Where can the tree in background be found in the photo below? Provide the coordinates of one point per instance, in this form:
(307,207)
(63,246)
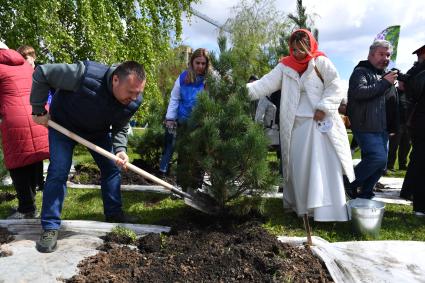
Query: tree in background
(151,143)
(222,62)
(259,35)
(254,29)
(3,170)
(223,141)
(169,69)
(100,30)
(301,19)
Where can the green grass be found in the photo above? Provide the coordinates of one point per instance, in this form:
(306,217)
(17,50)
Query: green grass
(398,224)
(150,208)
(86,204)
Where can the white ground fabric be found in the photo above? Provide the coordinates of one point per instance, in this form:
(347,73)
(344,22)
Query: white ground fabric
(77,240)
(370,261)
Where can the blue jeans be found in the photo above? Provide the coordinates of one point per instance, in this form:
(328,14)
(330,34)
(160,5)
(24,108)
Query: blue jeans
(61,150)
(374,152)
(170,143)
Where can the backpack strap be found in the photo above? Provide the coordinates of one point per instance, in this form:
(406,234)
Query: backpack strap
(318,73)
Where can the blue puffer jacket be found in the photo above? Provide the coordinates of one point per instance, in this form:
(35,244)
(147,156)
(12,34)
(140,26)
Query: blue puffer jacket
(188,95)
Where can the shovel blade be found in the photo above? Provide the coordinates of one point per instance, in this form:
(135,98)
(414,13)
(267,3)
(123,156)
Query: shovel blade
(208,208)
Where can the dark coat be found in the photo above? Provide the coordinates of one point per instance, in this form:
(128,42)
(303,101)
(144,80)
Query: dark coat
(367,103)
(415,92)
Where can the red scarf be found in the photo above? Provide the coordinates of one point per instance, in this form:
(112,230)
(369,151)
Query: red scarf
(301,66)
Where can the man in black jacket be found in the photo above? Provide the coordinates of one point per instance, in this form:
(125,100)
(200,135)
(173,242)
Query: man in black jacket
(96,102)
(415,91)
(369,89)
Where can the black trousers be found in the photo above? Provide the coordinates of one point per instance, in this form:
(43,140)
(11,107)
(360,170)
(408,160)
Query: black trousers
(400,141)
(413,182)
(25,180)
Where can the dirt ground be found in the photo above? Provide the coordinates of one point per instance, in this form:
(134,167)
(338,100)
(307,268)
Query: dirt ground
(211,250)
(199,248)
(5,237)
(91,175)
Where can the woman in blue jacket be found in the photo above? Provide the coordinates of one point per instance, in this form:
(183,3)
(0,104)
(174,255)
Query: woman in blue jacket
(183,98)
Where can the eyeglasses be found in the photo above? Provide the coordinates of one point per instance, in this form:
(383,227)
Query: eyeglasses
(299,51)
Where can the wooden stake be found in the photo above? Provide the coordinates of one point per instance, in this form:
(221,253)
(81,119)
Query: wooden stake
(308,230)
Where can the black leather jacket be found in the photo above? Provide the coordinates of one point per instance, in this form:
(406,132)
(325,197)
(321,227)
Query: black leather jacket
(367,96)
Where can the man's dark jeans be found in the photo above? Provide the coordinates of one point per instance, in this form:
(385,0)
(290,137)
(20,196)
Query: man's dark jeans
(61,150)
(374,152)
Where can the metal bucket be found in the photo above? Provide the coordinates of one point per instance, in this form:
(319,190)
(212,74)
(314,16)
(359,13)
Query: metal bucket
(366,216)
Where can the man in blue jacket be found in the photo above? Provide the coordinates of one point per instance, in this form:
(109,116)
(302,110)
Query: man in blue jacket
(369,90)
(96,102)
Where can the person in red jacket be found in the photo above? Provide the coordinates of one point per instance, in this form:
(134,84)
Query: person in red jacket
(28,52)
(25,144)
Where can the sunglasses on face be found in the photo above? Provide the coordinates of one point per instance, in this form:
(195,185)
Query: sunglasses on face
(299,51)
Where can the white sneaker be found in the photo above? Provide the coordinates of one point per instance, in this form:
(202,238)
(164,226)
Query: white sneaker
(419,214)
(20,215)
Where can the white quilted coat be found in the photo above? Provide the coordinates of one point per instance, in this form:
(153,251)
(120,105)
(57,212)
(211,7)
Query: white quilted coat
(325,96)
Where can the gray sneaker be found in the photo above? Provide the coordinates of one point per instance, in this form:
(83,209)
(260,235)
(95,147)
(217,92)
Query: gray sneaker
(20,215)
(48,241)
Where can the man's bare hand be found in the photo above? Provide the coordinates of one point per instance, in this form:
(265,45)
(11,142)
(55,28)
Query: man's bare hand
(41,120)
(122,159)
(319,115)
(391,77)
(170,123)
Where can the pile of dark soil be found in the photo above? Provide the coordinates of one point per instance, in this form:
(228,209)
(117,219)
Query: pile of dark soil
(217,253)
(5,236)
(6,196)
(90,174)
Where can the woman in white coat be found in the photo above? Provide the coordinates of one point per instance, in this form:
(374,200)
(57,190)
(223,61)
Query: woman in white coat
(314,142)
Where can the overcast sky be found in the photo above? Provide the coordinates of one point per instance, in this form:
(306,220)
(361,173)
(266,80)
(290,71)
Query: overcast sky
(346,28)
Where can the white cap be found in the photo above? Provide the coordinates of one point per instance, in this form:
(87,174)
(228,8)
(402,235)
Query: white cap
(3,46)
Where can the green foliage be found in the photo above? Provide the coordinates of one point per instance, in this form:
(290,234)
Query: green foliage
(99,30)
(3,170)
(123,233)
(149,145)
(301,19)
(260,34)
(223,141)
(227,58)
(170,68)
(254,30)
(398,223)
